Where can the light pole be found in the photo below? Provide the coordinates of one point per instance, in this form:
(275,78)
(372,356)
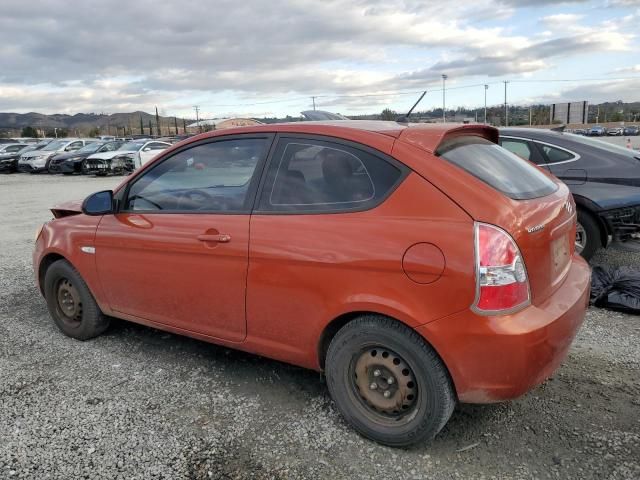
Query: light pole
(486,87)
(197,109)
(444,115)
(506,109)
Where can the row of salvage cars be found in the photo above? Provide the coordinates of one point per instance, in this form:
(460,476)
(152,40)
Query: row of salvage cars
(603,178)
(87,156)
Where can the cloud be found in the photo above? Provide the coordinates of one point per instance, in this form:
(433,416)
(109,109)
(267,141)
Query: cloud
(594,92)
(118,54)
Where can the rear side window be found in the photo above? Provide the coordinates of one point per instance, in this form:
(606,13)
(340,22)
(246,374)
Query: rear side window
(308,175)
(557,154)
(497,167)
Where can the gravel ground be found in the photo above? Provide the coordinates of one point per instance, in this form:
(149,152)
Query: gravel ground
(140,403)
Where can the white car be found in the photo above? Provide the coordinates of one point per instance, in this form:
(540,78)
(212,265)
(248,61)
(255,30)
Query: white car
(134,154)
(38,160)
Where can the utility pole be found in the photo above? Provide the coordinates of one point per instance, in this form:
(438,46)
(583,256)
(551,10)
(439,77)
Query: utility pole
(197,109)
(506,109)
(313,99)
(444,115)
(530,116)
(486,87)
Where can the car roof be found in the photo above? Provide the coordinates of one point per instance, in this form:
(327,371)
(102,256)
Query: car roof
(424,135)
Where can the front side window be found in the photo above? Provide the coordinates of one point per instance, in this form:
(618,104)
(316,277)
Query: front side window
(313,175)
(211,177)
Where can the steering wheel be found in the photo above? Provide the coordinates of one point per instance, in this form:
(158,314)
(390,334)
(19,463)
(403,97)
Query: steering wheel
(198,197)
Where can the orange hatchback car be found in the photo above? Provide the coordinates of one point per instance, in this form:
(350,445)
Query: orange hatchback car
(416,265)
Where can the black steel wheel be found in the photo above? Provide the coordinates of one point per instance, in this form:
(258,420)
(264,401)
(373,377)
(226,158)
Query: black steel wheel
(387,382)
(70,303)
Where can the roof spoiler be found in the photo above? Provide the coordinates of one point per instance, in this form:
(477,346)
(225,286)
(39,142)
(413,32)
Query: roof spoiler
(559,128)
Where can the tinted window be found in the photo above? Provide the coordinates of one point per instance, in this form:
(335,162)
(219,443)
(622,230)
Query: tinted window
(519,148)
(14,148)
(212,177)
(312,175)
(556,154)
(497,166)
(156,146)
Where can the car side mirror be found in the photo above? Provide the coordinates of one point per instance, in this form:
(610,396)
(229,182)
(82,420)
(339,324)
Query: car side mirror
(99,203)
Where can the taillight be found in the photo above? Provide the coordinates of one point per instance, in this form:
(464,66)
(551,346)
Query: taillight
(502,283)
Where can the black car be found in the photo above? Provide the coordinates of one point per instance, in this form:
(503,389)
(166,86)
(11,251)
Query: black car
(631,130)
(604,179)
(9,155)
(71,162)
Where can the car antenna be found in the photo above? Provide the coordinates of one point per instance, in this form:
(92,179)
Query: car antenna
(405,118)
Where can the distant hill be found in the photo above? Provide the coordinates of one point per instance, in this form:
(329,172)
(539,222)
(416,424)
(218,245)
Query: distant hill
(11,124)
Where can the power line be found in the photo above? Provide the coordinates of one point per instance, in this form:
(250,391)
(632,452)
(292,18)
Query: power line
(416,92)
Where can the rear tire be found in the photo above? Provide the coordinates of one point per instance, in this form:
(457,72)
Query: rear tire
(70,303)
(387,382)
(589,229)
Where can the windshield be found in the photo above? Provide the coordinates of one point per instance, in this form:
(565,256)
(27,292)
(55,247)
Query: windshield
(131,146)
(609,147)
(90,147)
(55,145)
(496,166)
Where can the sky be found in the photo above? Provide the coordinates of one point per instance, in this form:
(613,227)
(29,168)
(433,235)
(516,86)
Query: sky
(269,58)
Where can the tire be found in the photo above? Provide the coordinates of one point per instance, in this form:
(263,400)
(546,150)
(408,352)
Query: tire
(422,399)
(80,319)
(593,240)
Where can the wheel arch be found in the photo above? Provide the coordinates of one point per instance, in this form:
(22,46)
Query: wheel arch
(587,206)
(332,328)
(44,265)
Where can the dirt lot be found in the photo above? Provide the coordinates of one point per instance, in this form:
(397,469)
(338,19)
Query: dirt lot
(140,403)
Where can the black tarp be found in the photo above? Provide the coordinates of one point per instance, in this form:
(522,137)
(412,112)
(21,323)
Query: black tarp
(616,288)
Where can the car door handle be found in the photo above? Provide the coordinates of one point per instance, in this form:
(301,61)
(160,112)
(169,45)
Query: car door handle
(217,238)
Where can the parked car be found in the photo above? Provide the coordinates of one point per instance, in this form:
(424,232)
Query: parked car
(128,157)
(9,155)
(597,131)
(604,180)
(71,162)
(38,160)
(417,266)
(631,131)
(11,147)
(615,131)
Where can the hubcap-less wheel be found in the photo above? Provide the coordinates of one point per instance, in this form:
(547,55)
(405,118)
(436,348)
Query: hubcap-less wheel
(385,385)
(69,303)
(581,238)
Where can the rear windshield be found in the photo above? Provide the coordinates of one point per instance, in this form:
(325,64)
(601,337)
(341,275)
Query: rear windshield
(497,167)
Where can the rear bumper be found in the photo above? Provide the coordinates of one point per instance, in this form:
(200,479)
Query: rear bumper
(498,358)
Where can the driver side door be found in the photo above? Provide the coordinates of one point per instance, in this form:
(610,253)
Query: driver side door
(176,253)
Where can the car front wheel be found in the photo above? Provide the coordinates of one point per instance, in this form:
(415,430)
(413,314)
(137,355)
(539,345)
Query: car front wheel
(71,304)
(387,382)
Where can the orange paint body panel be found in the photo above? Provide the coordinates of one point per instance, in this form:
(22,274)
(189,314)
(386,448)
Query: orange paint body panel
(279,280)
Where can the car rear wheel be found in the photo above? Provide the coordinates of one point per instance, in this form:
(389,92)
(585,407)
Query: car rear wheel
(387,382)
(588,239)
(70,303)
